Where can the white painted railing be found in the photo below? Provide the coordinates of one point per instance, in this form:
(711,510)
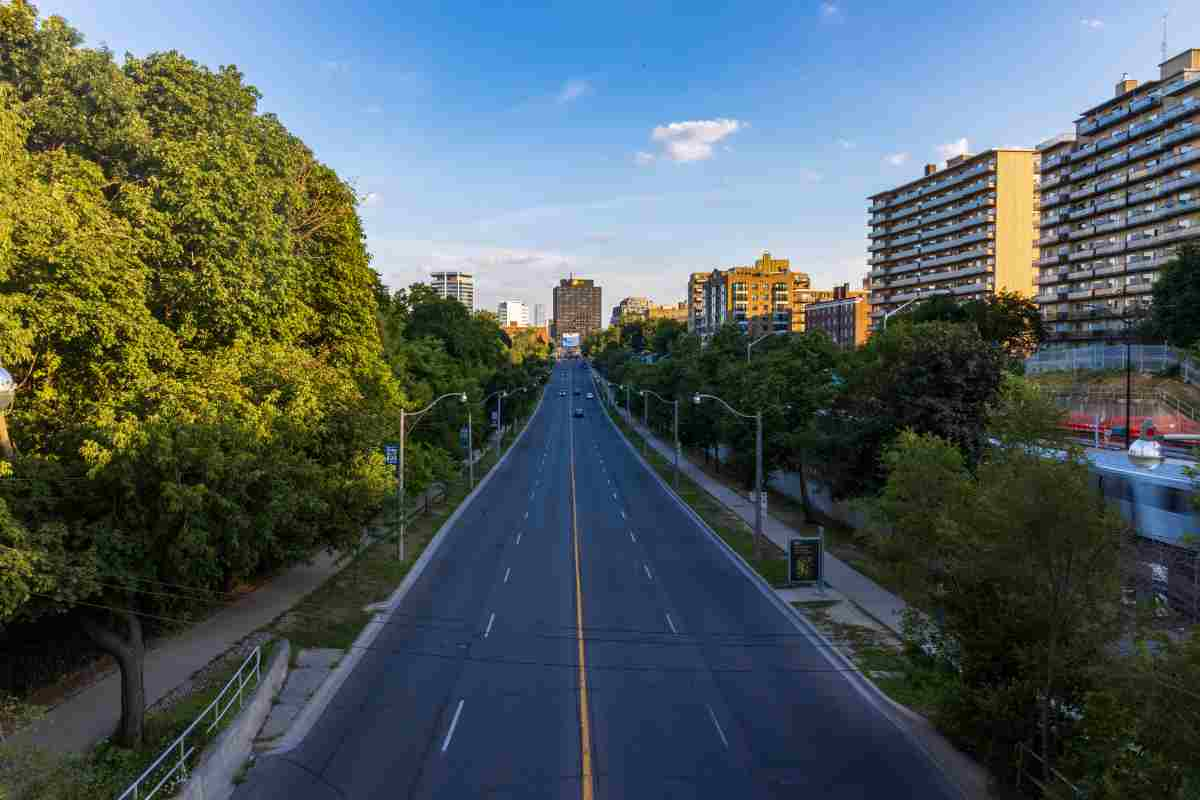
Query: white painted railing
(174,759)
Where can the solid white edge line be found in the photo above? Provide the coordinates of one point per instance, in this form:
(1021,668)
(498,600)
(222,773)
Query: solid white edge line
(623,515)
(720,732)
(491,620)
(519,537)
(670,622)
(507,572)
(453,725)
(871,693)
(647,568)
(631,536)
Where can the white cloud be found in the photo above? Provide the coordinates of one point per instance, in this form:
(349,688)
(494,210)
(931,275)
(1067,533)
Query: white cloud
(896,159)
(1092,23)
(642,158)
(846,144)
(830,10)
(693,140)
(573,90)
(374,108)
(951,149)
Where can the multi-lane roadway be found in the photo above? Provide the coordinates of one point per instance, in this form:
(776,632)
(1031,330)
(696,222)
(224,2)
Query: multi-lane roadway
(578,634)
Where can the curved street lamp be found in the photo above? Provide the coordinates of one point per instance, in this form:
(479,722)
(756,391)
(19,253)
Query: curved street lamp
(648,393)
(404,415)
(8,393)
(762,338)
(758,465)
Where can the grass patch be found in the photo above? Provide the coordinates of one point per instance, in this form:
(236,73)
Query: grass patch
(729,526)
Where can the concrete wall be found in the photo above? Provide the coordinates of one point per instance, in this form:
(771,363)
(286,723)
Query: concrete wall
(212,778)
(788,483)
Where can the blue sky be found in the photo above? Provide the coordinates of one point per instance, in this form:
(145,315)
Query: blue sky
(638,142)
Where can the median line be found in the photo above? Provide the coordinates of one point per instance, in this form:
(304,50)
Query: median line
(671,623)
(491,621)
(453,725)
(585,734)
(712,715)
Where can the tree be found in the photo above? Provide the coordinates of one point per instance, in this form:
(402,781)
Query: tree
(1008,319)
(1175,313)
(932,377)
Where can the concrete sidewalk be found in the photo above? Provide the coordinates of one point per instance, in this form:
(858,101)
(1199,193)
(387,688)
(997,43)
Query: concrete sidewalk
(89,715)
(868,595)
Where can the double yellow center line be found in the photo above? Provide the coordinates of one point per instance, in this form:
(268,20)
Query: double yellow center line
(585,735)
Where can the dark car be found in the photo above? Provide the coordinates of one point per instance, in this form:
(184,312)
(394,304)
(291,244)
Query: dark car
(579,412)
(577,393)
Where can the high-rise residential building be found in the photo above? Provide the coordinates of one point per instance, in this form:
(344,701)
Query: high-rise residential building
(539,315)
(760,299)
(457,285)
(965,231)
(695,293)
(630,307)
(576,307)
(843,317)
(513,312)
(676,313)
(1118,197)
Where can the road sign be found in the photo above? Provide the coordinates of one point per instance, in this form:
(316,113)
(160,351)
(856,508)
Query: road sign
(391,453)
(804,560)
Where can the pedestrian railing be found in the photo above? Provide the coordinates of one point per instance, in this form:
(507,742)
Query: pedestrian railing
(1052,783)
(171,767)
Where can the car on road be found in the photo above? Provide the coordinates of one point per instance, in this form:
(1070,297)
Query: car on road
(562,392)
(577,393)
(591,396)
(579,412)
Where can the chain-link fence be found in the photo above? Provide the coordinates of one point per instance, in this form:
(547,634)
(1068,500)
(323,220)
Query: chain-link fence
(1101,356)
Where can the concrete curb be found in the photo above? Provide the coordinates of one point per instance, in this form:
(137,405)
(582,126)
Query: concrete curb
(316,706)
(212,778)
(836,658)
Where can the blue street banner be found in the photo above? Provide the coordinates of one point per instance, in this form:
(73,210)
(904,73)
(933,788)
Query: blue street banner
(391,453)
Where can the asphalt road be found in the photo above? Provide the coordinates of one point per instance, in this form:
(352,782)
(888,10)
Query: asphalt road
(696,684)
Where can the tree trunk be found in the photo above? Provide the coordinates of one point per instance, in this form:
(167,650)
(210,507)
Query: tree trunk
(6,447)
(130,652)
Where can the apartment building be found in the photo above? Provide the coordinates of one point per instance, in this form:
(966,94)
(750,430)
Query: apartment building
(676,313)
(843,317)
(695,294)
(1117,199)
(965,230)
(803,295)
(512,312)
(459,286)
(760,299)
(630,307)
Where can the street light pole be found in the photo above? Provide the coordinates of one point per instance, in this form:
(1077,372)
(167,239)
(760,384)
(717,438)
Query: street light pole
(759,339)
(898,310)
(470,451)
(403,435)
(758,466)
(675,405)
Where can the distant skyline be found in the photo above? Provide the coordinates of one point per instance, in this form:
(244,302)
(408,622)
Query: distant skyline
(633,144)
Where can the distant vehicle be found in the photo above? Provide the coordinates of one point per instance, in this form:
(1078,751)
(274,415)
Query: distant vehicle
(591,396)
(579,412)
(562,392)
(577,393)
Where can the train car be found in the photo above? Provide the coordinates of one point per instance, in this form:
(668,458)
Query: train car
(1159,503)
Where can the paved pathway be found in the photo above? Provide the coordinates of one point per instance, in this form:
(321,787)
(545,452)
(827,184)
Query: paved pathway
(870,596)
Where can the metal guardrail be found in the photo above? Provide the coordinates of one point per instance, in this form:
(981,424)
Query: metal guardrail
(179,751)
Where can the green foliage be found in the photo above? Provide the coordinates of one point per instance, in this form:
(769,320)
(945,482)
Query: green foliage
(1175,313)
(1007,319)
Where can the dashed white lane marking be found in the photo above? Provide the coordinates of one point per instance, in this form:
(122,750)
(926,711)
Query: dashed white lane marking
(507,572)
(491,620)
(519,538)
(623,515)
(614,495)
(453,725)
(671,623)
(526,515)
(530,497)
(720,732)
(631,536)
(647,568)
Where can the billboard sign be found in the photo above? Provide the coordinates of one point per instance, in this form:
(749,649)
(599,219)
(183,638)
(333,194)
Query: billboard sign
(804,560)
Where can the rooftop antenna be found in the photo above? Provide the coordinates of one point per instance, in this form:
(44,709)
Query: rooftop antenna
(1164,41)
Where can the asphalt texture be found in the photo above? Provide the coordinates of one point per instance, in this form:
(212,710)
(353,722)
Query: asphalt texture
(698,685)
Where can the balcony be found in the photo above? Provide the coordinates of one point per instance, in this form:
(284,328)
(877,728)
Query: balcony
(970,189)
(1077,213)
(915,279)
(907,212)
(1185,131)
(903,240)
(1188,106)
(1109,248)
(1053,237)
(970,288)
(912,251)
(1050,260)
(877,273)
(978,219)
(912,223)
(1111,225)
(1146,125)
(1079,275)
(1112,182)
(1182,157)
(1053,218)
(1112,117)
(1182,183)
(1139,287)
(1145,194)
(1142,103)
(1086,172)
(1106,291)
(1083,192)
(954,212)
(1054,198)
(1178,86)
(1138,263)
(1052,180)
(875,247)
(1080,295)
(1146,148)
(1082,233)
(959,273)
(977,252)
(958,242)
(1049,162)
(1047,278)
(879,219)
(1112,161)
(1111,141)
(1112,269)
(945,183)
(1083,151)
(1109,205)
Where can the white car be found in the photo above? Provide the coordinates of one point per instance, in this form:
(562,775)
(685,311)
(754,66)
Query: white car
(591,396)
